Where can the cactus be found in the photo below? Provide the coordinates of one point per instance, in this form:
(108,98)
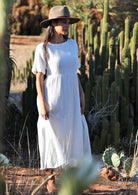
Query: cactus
(118,78)
(87,96)
(107,46)
(105,85)
(117,133)
(130,127)
(83,35)
(97,90)
(103,51)
(96,147)
(91,72)
(90,36)
(106,157)
(106,12)
(115,160)
(133,50)
(121,45)
(75,33)
(126,78)
(122,159)
(114,100)
(104,134)
(126,31)
(127,165)
(112,58)
(96,52)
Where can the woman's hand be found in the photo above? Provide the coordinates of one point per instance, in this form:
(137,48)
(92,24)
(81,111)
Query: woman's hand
(44,111)
(82,102)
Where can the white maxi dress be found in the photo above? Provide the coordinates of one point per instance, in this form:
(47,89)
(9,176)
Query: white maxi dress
(63,138)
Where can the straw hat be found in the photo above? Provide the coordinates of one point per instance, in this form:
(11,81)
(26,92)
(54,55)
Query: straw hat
(57,12)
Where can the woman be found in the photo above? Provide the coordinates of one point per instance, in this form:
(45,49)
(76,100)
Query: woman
(62,129)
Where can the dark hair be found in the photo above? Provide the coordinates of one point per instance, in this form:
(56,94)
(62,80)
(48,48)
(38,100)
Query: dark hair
(48,36)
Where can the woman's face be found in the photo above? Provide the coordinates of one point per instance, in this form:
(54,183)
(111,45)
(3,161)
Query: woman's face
(61,26)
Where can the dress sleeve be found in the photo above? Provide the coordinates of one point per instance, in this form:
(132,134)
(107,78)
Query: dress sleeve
(77,53)
(39,64)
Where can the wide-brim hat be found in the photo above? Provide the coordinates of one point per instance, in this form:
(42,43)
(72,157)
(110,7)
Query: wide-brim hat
(57,12)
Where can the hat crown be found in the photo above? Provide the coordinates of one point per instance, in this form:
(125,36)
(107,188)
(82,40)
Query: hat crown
(59,12)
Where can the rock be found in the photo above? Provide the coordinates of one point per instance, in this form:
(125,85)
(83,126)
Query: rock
(109,174)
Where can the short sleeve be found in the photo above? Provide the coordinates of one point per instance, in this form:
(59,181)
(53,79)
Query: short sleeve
(39,64)
(77,53)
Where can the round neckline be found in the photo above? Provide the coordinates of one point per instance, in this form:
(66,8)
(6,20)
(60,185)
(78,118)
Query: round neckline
(58,43)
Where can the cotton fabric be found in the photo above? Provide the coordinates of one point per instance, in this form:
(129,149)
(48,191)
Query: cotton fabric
(63,138)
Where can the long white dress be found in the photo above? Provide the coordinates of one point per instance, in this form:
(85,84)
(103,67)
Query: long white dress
(63,138)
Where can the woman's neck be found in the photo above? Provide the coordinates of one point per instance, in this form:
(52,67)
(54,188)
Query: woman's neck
(57,39)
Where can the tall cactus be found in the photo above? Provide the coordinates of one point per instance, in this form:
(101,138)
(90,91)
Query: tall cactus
(75,33)
(127,24)
(105,88)
(121,45)
(118,78)
(112,58)
(83,35)
(126,78)
(106,11)
(96,53)
(117,133)
(104,133)
(103,51)
(90,36)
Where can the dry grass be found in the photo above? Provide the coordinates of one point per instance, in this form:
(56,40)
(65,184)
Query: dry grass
(134,168)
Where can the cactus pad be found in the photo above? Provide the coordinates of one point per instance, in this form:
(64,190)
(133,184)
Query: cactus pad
(107,156)
(122,159)
(128,165)
(115,160)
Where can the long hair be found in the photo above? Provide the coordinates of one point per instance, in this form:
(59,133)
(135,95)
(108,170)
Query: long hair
(48,37)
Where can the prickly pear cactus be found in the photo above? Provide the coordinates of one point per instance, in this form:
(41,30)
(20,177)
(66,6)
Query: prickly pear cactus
(115,160)
(127,165)
(107,156)
(122,159)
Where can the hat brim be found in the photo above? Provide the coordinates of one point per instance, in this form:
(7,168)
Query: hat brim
(45,23)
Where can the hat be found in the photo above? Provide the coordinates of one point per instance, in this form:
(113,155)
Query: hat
(57,12)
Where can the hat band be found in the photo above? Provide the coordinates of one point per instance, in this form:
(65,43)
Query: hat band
(60,17)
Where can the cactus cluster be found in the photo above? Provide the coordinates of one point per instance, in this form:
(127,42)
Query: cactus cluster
(112,58)
(17,75)
(111,158)
(107,156)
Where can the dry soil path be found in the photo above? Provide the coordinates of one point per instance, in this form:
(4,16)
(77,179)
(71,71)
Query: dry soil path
(21,48)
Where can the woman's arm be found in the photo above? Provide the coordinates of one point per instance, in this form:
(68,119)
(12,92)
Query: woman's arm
(82,97)
(44,111)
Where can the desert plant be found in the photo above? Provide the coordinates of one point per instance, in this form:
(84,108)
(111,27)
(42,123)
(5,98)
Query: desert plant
(76,179)
(127,165)
(107,156)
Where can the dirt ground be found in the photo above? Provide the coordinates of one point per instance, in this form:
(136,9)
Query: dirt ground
(27,179)
(21,48)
